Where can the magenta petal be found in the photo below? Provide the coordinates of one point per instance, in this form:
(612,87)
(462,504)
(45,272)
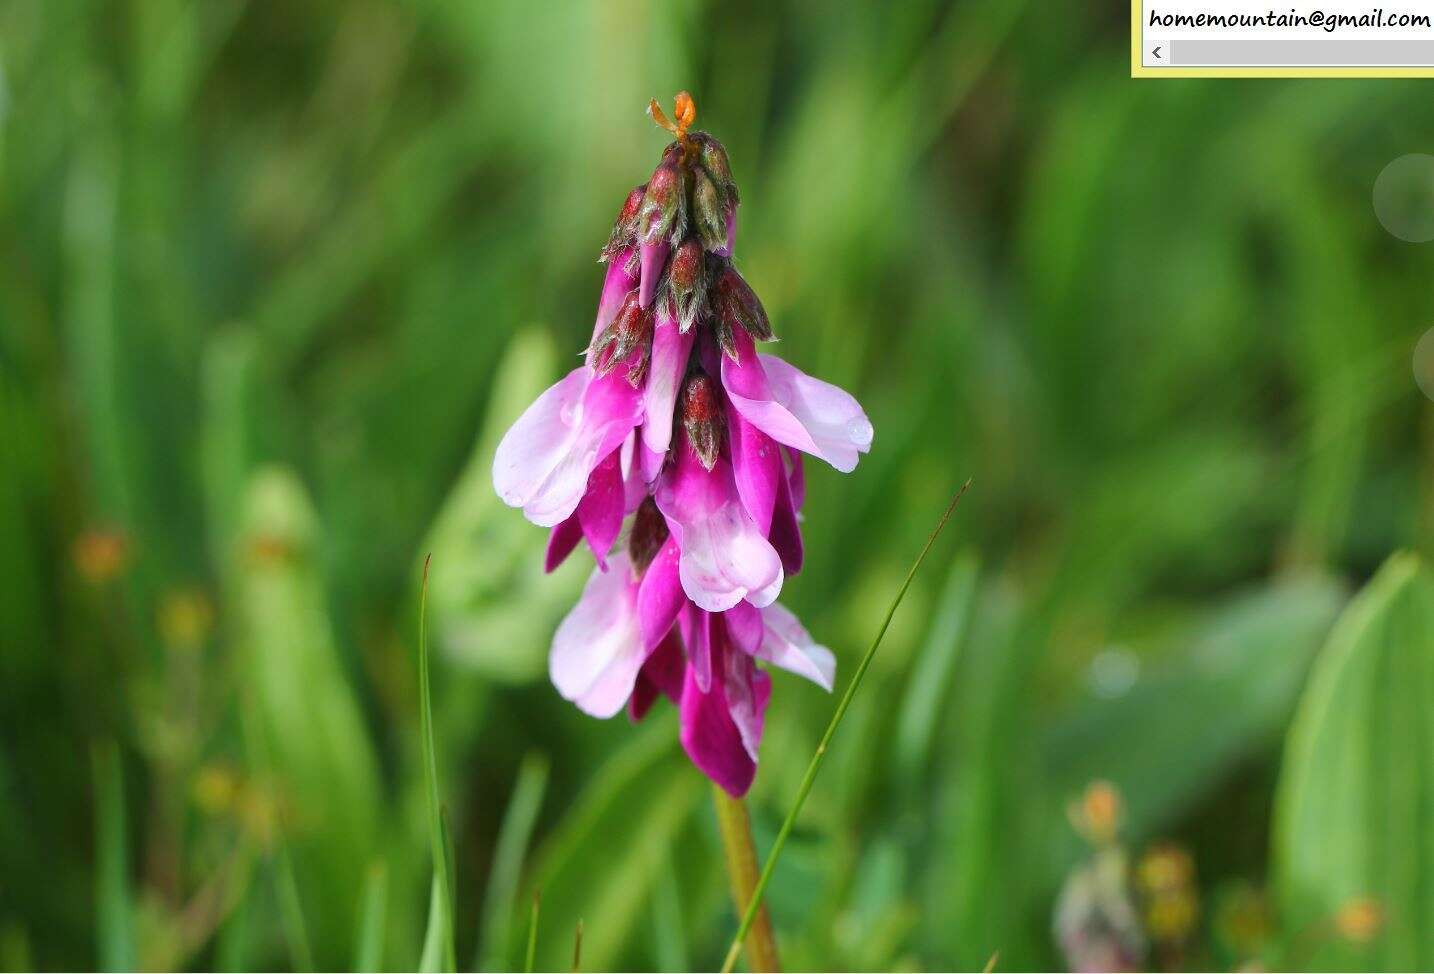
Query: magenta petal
(615,287)
(696,627)
(670,351)
(786,532)
(654,258)
(659,596)
(744,627)
(756,468)
(561,542)
(725,559)
(662,673)
(711,738)
(601,510)
(597,650)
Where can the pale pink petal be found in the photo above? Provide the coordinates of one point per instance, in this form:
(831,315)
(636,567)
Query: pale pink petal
(634,485)
(796,477)
(787,644)
(597,651)
(725,558)
(543,462)
(670,351)
(601,510)
(744,627)
(660,597)
(654,258)
(795,409)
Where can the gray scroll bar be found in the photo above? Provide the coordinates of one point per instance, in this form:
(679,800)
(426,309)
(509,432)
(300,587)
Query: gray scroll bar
(1303,53)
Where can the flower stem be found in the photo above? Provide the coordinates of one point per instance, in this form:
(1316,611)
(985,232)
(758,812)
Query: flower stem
(747,927)
(741,855)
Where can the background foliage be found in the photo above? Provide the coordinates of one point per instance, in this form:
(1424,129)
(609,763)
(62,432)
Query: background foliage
(275,276)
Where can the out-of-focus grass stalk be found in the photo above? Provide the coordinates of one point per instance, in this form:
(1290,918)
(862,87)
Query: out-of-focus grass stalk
(532,933)
(291,909)
(513,838)
(741,855)
(115,912)
(754,905)
(441,908)
(373,915)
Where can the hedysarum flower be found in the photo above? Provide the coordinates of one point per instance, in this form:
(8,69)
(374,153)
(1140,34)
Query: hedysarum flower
(676,421)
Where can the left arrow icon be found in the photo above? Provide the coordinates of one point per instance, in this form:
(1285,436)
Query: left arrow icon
(1156,52)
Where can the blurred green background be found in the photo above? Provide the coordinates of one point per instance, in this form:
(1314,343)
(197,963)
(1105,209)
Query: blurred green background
(274,277)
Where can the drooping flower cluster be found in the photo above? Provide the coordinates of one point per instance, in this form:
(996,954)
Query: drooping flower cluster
(675,419)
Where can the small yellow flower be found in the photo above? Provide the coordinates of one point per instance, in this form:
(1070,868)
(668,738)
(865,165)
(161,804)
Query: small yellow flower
(1359,920)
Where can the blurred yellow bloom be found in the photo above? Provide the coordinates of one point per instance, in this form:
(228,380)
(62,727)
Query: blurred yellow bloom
(100,555)
(1166,880)
(1098,814)
(185,618)
(1359,920)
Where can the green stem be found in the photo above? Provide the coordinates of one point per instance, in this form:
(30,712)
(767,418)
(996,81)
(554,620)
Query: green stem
(755,903)
(741,855)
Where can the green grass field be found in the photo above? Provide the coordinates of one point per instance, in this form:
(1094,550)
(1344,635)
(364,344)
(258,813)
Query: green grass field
(275,277)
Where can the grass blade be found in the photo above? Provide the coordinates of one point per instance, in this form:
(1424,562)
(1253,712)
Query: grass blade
(291,910)
(114,904)
(811,774)
(532,933)
(513,838)
(373,915)
(440,919)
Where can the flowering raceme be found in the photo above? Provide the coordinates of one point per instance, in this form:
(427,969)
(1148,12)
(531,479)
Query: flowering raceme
(676,420)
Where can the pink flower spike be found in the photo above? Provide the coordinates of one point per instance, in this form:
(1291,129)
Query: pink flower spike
(725,558)
(544,460)
(660,598)
(670,351)
(597,652)
(757,468)
(795,409)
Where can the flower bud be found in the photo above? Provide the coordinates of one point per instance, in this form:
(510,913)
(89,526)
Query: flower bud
(702,418)
(737,304)
(708,211)
(624,228)
(631,329)
(648,534)
(687,284)
(664,202)
(713,157)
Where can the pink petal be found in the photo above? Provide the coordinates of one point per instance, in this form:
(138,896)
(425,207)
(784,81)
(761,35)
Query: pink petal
(747,690)
(795,409)
(796,477)
(712,739)
(756,468)
(597,652)
(725,558)
(786,644)
(615,287)
(744,627)
(654,258)
(634,484)
(543,462)
(659,596)
(670,351)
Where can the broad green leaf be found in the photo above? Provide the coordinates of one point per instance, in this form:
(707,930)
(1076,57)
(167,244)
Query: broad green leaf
(305,719)
(1223,695)
(1354,812)
(492,606)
